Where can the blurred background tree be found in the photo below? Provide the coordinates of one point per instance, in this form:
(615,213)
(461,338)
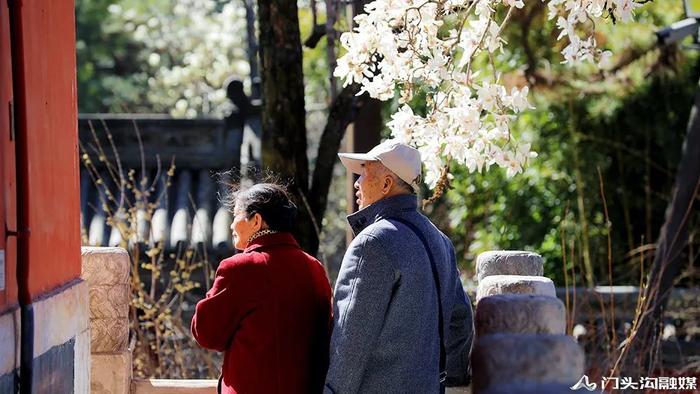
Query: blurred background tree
(159,56)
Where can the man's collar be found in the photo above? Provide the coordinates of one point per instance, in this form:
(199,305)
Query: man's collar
(271,239)
(385,207)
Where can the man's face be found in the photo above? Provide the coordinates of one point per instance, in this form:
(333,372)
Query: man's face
(369,184)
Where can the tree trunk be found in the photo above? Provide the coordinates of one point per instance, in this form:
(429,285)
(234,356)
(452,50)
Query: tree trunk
(672,240)
(343,111)
(283,112)
(252,50)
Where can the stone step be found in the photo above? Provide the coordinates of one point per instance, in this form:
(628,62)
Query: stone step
(514,284)
(514,359)
(509,262)
(520,313)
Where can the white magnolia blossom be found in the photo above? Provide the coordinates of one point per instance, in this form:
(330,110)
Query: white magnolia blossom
(404,46)
(573,14)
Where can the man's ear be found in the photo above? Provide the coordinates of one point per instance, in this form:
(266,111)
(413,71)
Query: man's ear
(388,184)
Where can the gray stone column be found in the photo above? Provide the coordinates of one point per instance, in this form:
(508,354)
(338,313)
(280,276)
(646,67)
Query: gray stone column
(520,343)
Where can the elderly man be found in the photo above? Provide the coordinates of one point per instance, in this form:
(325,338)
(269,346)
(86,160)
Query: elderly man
(402,322)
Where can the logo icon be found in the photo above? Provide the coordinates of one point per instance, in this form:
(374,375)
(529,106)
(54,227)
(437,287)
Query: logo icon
(583,383)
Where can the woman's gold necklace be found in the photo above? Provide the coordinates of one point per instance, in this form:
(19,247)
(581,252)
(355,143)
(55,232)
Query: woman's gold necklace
(259,234)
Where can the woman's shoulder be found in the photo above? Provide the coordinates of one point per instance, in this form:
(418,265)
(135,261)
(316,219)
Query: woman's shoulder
(243,261)
(313,261)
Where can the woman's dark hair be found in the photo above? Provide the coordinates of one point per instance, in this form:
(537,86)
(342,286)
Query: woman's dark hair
(270,200)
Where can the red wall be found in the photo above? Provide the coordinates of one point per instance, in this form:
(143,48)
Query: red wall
(49,116)
(8,296)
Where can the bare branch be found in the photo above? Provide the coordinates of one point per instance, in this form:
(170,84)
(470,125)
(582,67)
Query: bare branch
(317,33)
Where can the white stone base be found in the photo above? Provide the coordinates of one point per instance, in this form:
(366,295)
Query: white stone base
(515,284)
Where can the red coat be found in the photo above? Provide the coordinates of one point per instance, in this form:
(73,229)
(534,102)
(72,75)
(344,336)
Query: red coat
(270,311)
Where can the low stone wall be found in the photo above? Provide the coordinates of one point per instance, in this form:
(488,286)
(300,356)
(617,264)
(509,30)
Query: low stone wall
(106,270)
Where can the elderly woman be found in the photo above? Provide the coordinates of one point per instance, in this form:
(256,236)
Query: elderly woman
(269,308)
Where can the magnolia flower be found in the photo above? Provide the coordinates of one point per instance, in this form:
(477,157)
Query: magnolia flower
(553,9)
(351,72)
(571,51)
(401,123)
(605,59)
(456,147)
(468,43)
(596,7)
(624,9)
(567,29)
(466,118)
(494,41)
(474,162)
(431,156)
(518,99)
(378,87)
(490,95)
(514,3)
(512,167)
(483,8)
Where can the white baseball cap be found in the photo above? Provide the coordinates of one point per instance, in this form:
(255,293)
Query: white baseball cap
(401,159)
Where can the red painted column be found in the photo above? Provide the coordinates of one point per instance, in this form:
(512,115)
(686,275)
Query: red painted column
(45,92)
(8,211)
(54,319)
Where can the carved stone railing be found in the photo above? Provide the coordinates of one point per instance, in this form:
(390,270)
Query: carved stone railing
(106,270)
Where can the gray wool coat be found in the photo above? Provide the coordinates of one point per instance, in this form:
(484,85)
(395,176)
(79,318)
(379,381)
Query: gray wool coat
(385,335)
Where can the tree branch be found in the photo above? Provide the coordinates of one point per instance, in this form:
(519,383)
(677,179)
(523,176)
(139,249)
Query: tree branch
(316,35)
(526,23)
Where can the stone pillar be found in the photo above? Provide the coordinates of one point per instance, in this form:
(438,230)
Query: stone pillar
(106,270)
(520,343)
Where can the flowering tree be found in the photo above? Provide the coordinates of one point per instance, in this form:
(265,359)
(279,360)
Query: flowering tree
(190,50)
(429,47)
